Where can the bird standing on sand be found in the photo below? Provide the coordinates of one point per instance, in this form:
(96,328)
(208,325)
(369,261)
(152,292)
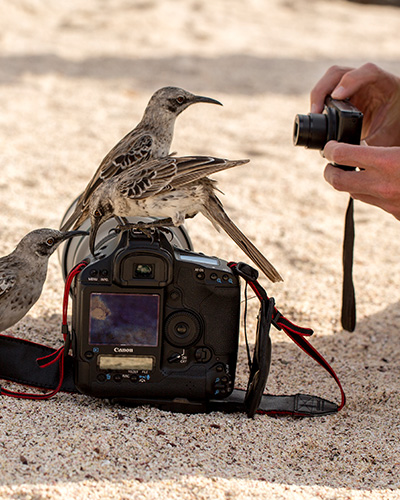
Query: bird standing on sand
(23,273)
(171,189)
(151,138)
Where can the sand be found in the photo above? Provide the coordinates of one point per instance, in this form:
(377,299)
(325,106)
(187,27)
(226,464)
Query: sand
(74,78)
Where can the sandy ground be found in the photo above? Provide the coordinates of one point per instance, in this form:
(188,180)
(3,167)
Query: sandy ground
(74,78)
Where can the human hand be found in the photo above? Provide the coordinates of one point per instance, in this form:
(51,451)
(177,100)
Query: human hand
(373,91)
(377,181)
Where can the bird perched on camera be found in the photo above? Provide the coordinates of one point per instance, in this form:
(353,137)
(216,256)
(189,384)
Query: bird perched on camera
(170,189)
(151,138)
(23,272)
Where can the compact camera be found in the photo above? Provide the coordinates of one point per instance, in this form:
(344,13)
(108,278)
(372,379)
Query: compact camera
(152,320)
(340,121)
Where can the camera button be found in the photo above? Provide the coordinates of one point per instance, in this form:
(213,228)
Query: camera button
(200,275)
(101,377)
(89,354)
(175,357)
(117,377)
(93,273)
(202,355)
(213,276)
(134,378)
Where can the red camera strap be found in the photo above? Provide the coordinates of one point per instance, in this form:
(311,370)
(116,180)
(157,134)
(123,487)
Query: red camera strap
(46,357)
(294,332)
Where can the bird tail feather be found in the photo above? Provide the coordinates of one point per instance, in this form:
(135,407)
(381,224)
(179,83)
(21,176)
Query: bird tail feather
(216,214)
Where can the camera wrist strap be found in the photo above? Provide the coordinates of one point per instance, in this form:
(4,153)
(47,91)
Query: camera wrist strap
(348,317)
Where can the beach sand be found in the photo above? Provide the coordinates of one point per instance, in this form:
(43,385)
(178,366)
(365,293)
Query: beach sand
(74,78)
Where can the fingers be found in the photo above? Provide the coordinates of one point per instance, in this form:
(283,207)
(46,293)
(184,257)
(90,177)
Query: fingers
(385,160)
(342,82)
(378,181)
(354,80)
(325,86)
(368,180)
(344,180)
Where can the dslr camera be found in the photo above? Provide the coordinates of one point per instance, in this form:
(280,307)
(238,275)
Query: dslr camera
(154,322)
(151,319)
(340,121)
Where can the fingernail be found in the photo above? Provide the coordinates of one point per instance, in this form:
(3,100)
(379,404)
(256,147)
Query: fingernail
(339,93)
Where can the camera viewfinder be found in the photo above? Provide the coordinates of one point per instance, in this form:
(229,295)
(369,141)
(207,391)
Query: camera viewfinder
(143,271)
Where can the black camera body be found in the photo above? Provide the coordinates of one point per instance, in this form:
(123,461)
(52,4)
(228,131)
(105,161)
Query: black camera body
(340,121)
(152,321)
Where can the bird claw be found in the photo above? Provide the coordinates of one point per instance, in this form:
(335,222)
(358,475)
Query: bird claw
(147,228)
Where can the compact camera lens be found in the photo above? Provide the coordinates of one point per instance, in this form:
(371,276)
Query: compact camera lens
(311,131)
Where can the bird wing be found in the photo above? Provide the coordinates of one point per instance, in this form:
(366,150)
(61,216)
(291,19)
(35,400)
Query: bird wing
(7,281)
(138,152)
(120,158)
(152,178)
(193,168)
(166,174)
(130,151)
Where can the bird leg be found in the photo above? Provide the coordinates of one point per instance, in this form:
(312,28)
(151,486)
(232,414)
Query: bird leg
(144,227)
(140,225)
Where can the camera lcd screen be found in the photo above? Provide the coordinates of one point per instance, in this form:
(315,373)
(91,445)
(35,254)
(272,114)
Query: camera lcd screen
(125,362)
(124,319)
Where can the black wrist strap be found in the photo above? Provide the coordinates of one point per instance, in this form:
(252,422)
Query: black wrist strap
(348,293)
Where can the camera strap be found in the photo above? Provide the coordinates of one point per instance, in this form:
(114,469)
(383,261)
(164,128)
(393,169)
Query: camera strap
(40,366)
(298,404)
(37,365)
(348,317)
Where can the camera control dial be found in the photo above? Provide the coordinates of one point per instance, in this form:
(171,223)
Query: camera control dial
(182,328)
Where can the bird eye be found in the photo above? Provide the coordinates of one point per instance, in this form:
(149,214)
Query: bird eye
(50,242)
(97,213)
(180,99)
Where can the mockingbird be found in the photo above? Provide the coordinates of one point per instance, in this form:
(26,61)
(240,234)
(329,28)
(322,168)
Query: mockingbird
(23,272)
(170,189)
(151,138)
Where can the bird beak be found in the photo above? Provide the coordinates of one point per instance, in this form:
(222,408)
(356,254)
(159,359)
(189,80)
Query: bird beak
(95,224)
(70,234)
(200,98)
